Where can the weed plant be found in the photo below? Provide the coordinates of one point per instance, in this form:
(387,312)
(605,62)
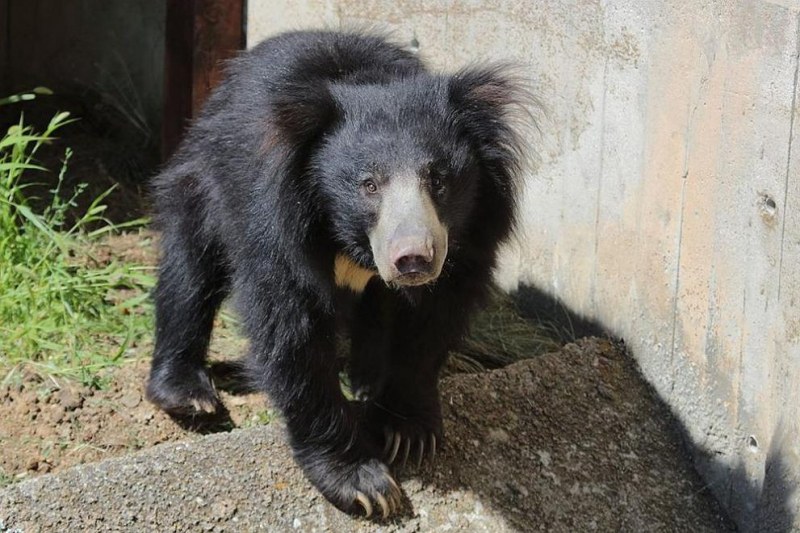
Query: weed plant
(60,310)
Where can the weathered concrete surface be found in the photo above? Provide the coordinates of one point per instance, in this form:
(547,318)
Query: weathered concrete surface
(570,441)
(667,204)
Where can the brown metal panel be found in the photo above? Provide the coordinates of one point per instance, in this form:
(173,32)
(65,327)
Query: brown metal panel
(201,34)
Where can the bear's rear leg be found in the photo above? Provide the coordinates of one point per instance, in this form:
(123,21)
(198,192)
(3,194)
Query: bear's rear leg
(191,286)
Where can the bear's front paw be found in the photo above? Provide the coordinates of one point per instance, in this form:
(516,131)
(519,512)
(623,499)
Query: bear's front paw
(365,487)
(410,432)
(186,393)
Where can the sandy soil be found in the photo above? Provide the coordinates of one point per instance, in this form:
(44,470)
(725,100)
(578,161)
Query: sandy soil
(49,426)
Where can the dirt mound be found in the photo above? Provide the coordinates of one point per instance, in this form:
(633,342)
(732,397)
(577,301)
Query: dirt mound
(569,441)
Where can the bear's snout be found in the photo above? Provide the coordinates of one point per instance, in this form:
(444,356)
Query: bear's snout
(409,242)
(413,259)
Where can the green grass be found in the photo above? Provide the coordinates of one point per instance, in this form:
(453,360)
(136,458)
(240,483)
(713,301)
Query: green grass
(260,418)
(5,479)
(60,313)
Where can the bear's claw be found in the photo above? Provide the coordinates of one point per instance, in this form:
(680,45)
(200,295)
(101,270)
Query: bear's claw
(363,488)
(388,504)
(384,505)
(203,406)
(362,499)
(393,441)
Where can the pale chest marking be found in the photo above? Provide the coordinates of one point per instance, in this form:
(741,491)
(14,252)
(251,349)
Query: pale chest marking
(350,275)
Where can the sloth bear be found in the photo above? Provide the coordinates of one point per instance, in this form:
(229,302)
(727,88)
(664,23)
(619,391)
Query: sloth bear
(326,164)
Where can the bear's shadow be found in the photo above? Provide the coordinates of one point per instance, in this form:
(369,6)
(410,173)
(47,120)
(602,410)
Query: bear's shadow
(205,424)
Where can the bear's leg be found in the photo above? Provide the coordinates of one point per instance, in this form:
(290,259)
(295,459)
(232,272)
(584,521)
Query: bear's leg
(293,360)
(406,414)
(191,286)
(370,341)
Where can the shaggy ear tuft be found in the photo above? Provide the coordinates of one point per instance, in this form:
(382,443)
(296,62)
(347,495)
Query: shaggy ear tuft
(303,112)
(491,86)
(492,106)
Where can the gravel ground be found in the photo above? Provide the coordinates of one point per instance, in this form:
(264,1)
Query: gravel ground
(569,441)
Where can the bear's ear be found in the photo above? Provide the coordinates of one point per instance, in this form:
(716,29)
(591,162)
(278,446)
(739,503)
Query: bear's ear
(302,112)
(490,106)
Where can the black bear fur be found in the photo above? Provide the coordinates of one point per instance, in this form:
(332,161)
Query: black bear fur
(261,197)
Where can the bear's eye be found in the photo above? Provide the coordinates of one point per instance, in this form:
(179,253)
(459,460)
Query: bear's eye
(437,182)
(370,186)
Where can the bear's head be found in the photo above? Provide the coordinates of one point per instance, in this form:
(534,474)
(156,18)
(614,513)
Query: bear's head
(400,166)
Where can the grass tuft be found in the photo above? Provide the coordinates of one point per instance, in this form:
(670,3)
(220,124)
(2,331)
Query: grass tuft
(499,335)
(60,311)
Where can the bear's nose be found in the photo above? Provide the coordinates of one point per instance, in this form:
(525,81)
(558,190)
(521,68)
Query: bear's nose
(413,264)
(412,256)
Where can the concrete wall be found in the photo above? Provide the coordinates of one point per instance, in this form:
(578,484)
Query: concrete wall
(667,203)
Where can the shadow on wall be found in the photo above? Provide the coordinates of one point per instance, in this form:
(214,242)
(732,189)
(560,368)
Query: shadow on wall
(767,508)
(542,308)
(753,507)
(775,500)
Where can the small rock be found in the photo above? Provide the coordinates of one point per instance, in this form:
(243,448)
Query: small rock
(606,392)
(57,414)
(499,435)
(143,416)
(520,489)
(222,509)
(69,399)
(544,458)
(503,488)
(131,399)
